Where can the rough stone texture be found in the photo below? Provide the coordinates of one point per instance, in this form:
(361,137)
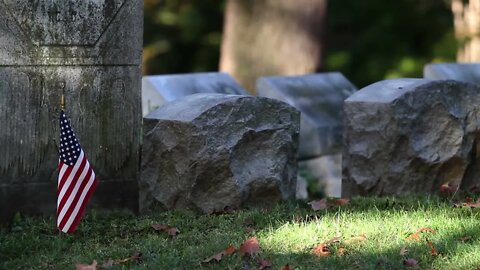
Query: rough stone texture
(91,50)
(158,90)
(319,97)
(209,151)
(466,72)
(408,136)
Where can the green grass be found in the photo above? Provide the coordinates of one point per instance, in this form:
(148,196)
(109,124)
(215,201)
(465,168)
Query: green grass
(287,233)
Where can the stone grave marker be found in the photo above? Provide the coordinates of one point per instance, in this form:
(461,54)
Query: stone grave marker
(91,51)
(319,98)
(467,72)
(211,151)
(160,89)
(410,136)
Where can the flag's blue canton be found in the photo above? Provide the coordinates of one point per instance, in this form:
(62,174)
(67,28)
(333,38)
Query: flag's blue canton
(69,146)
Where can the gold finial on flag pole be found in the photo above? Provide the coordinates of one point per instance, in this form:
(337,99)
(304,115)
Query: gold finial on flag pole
(62,102)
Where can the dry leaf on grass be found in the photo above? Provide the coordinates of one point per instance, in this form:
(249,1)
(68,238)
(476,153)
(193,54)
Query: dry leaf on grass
(319,204)
(264,264)
(218,257)
(358,238)
(410,262)
(416,235)
(134,258)
(249,247)
(287,267)
(448,189)
(341,251)
(475,204)
(465,238)
(322,250)
(341,201)
(403,251)
(92,266)
(433,249)
(172,231)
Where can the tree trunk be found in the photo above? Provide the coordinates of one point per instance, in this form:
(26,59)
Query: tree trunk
(467,29)
(272,37)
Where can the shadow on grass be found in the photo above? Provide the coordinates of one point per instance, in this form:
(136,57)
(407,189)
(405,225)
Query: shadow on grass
(287,234)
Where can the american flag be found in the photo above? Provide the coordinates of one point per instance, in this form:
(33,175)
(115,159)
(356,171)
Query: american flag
(76,179)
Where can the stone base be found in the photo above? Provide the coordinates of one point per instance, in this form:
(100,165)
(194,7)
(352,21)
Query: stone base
(41,198)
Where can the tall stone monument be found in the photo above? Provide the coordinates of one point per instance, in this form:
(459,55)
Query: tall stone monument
(91,51)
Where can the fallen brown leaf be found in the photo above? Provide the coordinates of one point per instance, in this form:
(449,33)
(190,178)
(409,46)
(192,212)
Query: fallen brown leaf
(265,264)
(426,229)
(416,235)
(403,251)
(319,204)
(218,257)
(92,266)
(465,238)
(361,237)
(433,249)
(134,258)
(448,189)
(341,201)
(341,251)
(475,205)
(172,231)
(413,237)
(230,250)
(249,247)
(410,262)
(322,250)
(287,267)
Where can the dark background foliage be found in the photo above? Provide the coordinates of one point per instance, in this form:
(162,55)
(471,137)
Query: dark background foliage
(367,40)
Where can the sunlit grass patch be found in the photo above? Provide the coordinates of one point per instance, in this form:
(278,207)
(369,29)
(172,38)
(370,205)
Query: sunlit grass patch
(368,233)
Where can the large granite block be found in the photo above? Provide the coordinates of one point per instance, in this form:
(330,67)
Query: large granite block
(467,72)
(91,51)
(410,136)
(160,89)
(210,151)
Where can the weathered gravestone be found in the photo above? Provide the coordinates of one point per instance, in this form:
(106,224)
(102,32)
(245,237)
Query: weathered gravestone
(319,98)
(467,72)
(160,89)
(407,136)
(211,151)
(91,51)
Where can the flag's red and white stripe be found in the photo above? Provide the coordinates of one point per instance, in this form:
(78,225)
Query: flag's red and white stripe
(75,186)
